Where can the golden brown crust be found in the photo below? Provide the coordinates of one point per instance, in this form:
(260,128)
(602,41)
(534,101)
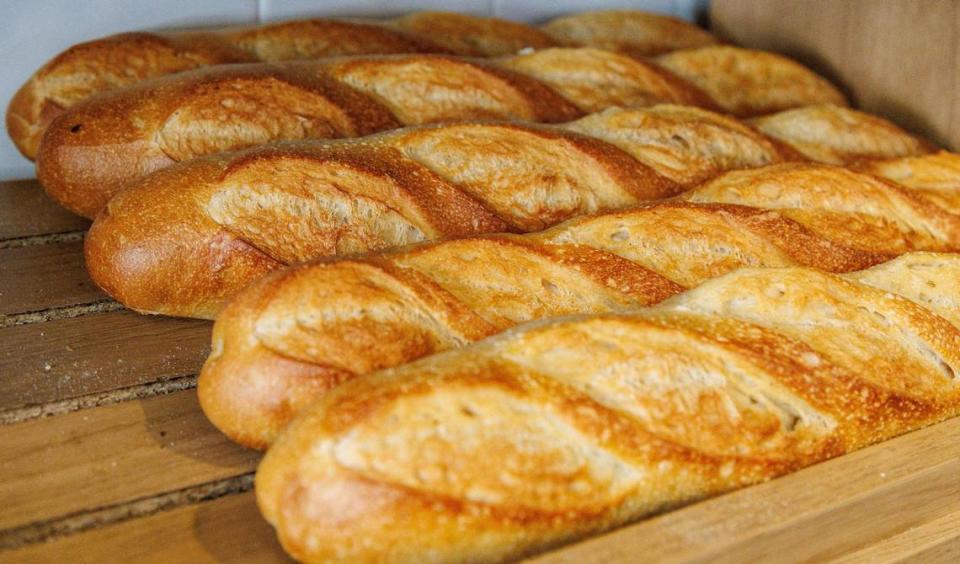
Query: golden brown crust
(124,59)
(635,33)
(747,83)
(193,239)
(876,216)
(935,176)
(104,64)
(324,37)
(92,150)
(568,427)
(837,135)
(472,35)
(428,89)
(295,202)
(594,79)
(686,144)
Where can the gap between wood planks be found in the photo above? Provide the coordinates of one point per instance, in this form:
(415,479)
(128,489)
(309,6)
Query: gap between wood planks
(66,312)
(102,516)
(152,389)
(66,237)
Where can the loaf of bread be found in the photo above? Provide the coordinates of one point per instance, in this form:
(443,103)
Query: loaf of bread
(568,427)
(95,148)
(182,241)
(295,335)
(121,60)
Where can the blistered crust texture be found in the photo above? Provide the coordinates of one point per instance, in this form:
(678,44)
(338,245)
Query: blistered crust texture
(568,427)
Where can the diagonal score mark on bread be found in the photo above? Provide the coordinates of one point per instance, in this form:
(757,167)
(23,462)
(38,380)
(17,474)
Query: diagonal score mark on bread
(879,216)
(563,428)
(232,114)
(854,135)
(936,176)
(751,84)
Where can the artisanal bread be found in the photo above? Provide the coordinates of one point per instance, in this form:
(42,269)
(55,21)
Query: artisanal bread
(128,58)
(565,428)
(169,244)
(853,135)
(635,33)
(746,82)
(301,332)
(125,129)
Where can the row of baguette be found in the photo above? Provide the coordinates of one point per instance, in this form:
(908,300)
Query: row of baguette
(128,58)
(552,432)
(685,375)
(185,240)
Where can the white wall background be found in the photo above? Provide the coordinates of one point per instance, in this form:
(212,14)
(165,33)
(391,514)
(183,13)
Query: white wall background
(33,31)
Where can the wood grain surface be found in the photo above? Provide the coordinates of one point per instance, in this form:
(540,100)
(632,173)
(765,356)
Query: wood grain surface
(26,211)
(62,359)
(897,58)
(58,278)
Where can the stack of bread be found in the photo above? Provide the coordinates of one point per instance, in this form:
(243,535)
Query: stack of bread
(484,288)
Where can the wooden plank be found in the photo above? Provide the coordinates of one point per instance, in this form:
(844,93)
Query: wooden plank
(37,277)
(820,512)
(909,76)
(74,357)
(934,541)
(25,211)
(228,529)
(57,466)
(907,487)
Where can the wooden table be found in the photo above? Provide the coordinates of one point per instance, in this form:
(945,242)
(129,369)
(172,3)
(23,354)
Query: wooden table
(106,456)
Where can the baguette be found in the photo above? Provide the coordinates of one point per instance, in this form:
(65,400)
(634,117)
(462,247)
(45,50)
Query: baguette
(93,149)
(187,238)
(295,335)
(125,59)
(170,244)
(565,428)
